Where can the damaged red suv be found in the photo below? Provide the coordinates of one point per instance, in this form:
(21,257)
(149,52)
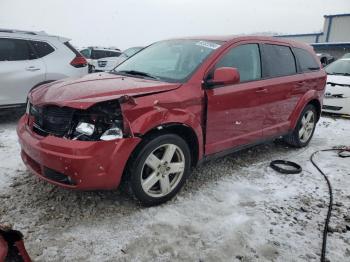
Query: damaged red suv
(168,108)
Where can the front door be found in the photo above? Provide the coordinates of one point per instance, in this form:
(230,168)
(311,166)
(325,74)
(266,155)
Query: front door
(234,115)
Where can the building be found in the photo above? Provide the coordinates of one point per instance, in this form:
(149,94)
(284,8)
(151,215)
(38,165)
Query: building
(334,39)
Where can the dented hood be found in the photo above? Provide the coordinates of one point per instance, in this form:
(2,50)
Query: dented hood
(88,90)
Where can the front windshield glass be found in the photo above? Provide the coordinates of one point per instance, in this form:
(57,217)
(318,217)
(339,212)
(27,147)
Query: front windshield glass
(339,67)
(131,51)
(86,52)
(171,60)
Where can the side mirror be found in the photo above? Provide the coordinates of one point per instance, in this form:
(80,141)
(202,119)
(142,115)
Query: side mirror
(224,76)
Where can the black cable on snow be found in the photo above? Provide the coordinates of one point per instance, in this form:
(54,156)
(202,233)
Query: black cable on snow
(330,191)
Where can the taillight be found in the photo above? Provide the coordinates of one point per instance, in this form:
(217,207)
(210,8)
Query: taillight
(79,61)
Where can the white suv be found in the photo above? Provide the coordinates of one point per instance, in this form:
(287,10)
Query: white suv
(109,63)
(29,59)
(93,54)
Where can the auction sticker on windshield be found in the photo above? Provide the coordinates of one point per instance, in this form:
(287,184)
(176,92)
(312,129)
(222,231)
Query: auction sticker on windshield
(208,44)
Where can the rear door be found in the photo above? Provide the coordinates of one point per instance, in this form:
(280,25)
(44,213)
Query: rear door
(234,116)
(309,67)
(283,86)
(20,70)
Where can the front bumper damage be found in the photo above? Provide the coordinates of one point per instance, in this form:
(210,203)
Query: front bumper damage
(85,165)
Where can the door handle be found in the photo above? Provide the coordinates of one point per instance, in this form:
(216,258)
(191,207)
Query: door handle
(262,91)
(32,68)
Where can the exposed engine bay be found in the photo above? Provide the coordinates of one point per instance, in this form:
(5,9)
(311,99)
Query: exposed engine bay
(102,121)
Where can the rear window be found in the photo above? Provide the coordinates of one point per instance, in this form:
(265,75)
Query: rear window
(278,61)
(75,51)
(306,61)
(42,48)
(15,50)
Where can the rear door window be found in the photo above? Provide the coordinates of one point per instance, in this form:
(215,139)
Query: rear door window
(112,54)
(42,48)
(15,50)
(278,61)
(246,58)
(307,62)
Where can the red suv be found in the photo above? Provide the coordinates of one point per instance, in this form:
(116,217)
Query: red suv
(168,108)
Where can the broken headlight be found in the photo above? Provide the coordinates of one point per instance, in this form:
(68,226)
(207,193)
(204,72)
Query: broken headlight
(100,122)
(85,128)
(112,133)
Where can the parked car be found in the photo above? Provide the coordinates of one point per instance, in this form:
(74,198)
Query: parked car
(109,63)
(337,96)
(29,59)
(168,108)
(325,58)
(93,54)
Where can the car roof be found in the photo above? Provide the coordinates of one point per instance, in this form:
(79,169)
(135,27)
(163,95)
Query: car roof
(113,49)
(236,38)
(35,35)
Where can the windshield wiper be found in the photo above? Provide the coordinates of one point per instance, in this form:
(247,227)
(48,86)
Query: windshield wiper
(138,73)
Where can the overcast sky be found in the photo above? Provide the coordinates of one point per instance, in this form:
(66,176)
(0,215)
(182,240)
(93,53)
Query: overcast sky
(126,23)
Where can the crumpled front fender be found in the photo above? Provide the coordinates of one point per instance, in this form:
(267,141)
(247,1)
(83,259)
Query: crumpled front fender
(144,114)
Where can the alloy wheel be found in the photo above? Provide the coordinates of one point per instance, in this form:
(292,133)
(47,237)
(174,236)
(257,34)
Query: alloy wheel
(307,126)
(162,170)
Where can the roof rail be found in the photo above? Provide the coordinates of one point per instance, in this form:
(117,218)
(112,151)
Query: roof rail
(103,48)
(2,30)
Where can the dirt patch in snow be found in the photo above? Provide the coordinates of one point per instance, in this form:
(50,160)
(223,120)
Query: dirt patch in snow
(233,208)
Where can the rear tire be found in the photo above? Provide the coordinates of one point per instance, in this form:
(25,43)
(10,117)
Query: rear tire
(159,169)
(305,128)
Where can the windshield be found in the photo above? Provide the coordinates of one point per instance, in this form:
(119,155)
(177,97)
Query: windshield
(131,51)
(339,67)
(86,53)
(171,60)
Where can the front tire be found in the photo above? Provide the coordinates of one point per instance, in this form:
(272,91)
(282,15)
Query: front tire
(159,168)
(305,128)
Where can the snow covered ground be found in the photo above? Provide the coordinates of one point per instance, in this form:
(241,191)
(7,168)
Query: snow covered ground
(232,209)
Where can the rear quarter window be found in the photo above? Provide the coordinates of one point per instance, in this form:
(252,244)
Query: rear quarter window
(112,54)
(306,61)
(98,54)
(278,60)
(42,48)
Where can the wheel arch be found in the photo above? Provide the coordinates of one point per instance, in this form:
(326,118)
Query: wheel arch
(41,83)
(317,104)
(183,131)
(310,97)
